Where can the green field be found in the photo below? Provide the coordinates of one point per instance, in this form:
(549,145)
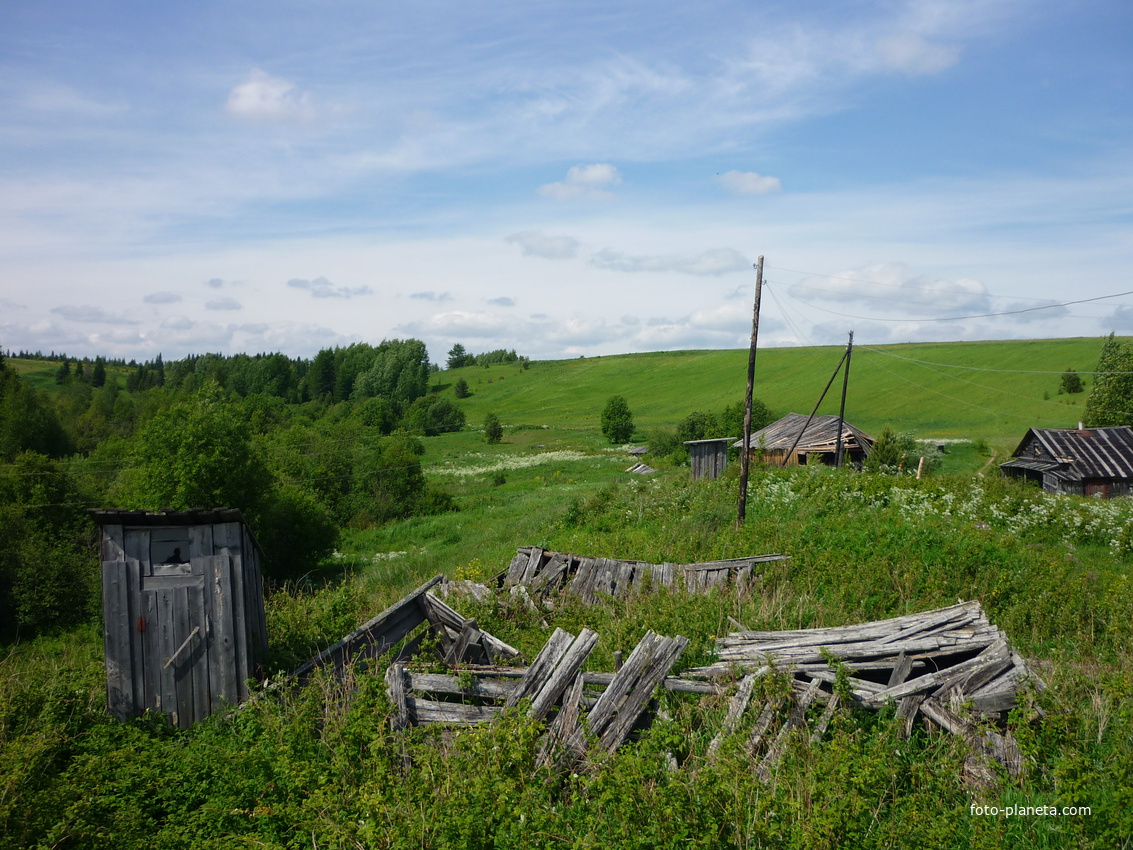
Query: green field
(944,395)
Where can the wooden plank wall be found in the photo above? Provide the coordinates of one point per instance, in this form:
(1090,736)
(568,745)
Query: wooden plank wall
(182,639)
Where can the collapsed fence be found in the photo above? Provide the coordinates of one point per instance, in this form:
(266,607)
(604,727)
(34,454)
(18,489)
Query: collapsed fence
(950,666)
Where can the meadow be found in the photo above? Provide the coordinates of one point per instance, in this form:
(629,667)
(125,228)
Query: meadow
(319,767)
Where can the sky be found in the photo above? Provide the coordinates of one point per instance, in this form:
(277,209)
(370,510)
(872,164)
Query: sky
(562,179)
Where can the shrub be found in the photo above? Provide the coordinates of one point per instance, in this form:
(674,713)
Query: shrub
(493,430)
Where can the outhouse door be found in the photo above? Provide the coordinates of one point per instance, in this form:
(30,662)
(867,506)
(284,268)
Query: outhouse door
(173,625)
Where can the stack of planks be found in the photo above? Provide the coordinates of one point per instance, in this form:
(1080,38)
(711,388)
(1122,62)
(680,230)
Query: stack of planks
(555,684)
(543,571)
(950,665)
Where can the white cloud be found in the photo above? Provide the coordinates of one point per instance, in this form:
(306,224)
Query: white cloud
(263,97)
(584,181)
(429,295)
(92,315)
(224,304)
(892,288)
(533,243)
(162,298)
(502,301)
(717,261)
(749,183)
(909,53)
(320,287)
(178,323)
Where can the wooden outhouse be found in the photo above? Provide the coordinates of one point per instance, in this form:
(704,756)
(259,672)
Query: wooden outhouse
(1079,461)
(183,611)
(708,458)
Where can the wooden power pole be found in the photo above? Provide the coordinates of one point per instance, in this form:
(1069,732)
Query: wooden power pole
(842,409)
(745,447)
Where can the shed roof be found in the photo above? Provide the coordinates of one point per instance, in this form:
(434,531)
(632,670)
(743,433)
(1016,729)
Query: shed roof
(821,435)
(1080,453)
(195,516)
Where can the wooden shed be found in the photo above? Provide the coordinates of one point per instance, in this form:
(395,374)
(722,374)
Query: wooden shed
(817,443)
(708,458)
(1079,461)
(183,611)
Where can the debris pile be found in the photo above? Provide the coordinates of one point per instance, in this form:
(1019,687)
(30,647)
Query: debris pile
(950,665)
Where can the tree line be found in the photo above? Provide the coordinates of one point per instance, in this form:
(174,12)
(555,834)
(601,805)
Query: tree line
(302,447)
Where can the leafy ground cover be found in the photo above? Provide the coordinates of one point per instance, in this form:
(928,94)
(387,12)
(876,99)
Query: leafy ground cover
(319,766)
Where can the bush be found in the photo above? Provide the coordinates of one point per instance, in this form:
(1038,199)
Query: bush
(493,430)
(617,420)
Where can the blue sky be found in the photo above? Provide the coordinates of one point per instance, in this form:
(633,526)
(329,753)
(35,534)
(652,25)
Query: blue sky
(561,179)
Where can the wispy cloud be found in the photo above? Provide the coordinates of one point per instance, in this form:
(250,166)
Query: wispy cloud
(910,53)
(715,262)
(320,287)
(262,97)
(224,304)
(162,298)
(438,297)
(585,182)
(534,243)
(502,301)
(92,315)
(749,183)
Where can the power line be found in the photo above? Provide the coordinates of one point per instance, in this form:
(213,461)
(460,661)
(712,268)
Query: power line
(964,318)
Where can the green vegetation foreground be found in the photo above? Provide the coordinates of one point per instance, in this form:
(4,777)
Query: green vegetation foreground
(319,766)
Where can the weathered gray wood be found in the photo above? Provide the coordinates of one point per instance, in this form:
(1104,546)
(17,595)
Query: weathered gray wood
(223,686)
(843,634)
(943,678)
(113,542)
(198,661)
(565,725)
(669,683)
(137,552)
(533,563)
(736,708)
(901,671)
(200,541)
(117,641)
(907,710)
(762,725)
(824,720)
(374,637)
(542,667)
(227,539)
(182,673)
(480,687)
(563,674)
(626,711)
(451,713)
(398,695)
(518,565)
(469,636)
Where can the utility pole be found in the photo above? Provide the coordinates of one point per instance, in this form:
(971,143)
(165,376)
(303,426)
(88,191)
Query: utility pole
(745,447)
(842,409)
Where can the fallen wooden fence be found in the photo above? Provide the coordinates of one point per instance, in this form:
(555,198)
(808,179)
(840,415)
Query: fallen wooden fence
(460,638)
(553,681)
(543,572)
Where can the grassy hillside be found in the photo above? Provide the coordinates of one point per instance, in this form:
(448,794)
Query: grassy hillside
(988,390)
